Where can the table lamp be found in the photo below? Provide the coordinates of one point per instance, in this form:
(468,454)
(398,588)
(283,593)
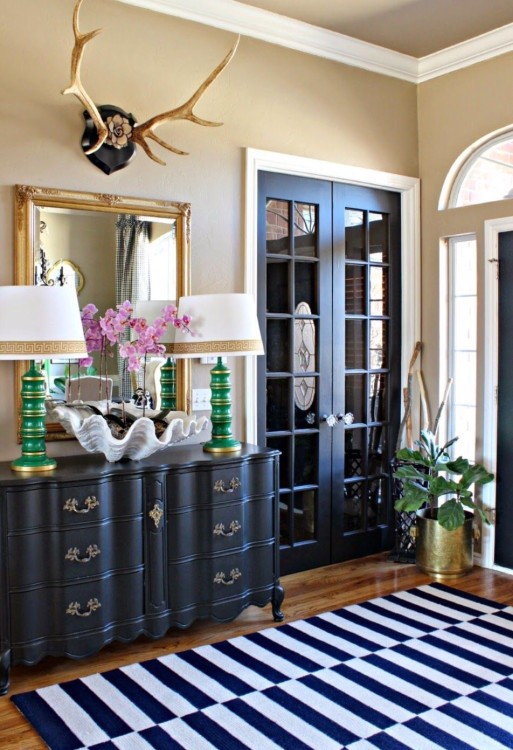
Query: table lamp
(151,309)
(37,323)
(222,325)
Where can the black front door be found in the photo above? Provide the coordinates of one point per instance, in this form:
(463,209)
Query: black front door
(329,308)
(504,479)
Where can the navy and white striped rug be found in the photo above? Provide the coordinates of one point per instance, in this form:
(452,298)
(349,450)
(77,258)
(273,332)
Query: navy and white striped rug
(427,668)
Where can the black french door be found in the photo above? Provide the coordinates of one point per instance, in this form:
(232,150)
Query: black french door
(328,386)
(504,478)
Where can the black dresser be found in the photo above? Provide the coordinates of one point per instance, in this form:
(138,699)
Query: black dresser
(97,551)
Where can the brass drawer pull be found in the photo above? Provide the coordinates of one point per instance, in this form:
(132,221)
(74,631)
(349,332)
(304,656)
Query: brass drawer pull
(233,484)
(72,505)
(221,577)
(219,529)
(74,608)
(156,514)
(74,554)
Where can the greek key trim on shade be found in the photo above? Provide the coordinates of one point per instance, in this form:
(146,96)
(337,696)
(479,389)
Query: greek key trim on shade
(203,348)
(36,349)
(40,322)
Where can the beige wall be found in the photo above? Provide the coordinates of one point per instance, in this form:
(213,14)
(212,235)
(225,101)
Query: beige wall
(454,112)
(89,241)
(269,98)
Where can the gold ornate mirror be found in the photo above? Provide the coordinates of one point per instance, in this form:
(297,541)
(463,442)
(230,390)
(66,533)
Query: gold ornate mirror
(82,231)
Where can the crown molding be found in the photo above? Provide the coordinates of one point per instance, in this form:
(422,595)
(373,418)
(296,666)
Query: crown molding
(481,48)
(246,20)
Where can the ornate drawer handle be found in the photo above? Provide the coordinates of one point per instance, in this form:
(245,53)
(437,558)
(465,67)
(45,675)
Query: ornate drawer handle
(74,554)
(74,608)
(72,505)
(233,485)
(221,577)
(156,514)
(219,529)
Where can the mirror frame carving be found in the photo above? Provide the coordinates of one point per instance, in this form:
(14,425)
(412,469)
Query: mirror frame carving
(26,234)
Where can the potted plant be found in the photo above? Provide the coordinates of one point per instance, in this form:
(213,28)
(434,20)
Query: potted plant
(439,490)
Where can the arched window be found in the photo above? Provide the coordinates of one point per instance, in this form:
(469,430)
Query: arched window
(482,174)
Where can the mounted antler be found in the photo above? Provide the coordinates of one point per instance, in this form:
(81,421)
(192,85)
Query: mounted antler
(184,112)
(119,132)
(76,87)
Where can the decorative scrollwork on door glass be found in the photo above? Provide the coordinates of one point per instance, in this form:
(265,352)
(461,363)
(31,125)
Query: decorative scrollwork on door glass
(304,358)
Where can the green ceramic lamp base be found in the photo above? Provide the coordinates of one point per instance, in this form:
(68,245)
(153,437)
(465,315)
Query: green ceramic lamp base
(222,440)
(33,424)
(168,385)
(222,445)
(33,463)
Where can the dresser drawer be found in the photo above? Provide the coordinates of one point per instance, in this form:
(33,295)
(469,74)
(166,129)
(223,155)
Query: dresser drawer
(55,612)
(220,527)
(73,504)
(52,556)
(230,481)
(198,582)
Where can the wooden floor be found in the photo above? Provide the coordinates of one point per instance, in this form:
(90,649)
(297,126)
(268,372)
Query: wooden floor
(306,594)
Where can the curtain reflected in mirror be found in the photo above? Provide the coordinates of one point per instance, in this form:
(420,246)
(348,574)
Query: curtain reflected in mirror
(132,279)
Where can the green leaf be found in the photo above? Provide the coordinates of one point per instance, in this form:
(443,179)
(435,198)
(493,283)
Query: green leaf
(413,499)
(427,443)
(476,474)
(441,486)
(451,515)
(483,515)
(441,463)
(459,466)
(409,472)
(406,454)
(449,443)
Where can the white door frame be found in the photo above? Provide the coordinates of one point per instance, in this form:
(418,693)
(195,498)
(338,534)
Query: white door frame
(492,230)
(409,189)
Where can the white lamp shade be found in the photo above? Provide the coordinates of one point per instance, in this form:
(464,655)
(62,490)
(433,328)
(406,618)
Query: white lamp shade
(151,309)
(40,322)
(221,325)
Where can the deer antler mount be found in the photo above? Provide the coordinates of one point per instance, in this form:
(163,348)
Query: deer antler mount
(111,135)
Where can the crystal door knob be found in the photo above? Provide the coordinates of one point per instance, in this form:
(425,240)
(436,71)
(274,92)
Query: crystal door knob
(333,419)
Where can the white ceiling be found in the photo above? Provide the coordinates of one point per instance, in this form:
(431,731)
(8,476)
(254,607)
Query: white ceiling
(410,39)
(413,27)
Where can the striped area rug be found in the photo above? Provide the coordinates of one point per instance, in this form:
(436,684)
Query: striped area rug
(423,669)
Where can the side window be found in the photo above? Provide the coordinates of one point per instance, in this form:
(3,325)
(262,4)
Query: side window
(461,342)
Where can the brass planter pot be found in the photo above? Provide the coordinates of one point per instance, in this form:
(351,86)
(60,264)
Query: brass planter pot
(441,553)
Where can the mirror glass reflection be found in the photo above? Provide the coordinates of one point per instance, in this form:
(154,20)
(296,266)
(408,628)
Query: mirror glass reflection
(111,249)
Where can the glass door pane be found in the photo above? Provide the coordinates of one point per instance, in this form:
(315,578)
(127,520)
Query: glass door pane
(295,227)
(291,336)
(367,368)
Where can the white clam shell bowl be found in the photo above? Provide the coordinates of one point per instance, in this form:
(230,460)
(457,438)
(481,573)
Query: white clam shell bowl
(140,441)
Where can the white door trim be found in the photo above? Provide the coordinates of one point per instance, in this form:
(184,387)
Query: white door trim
(408,187)
(492,229)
